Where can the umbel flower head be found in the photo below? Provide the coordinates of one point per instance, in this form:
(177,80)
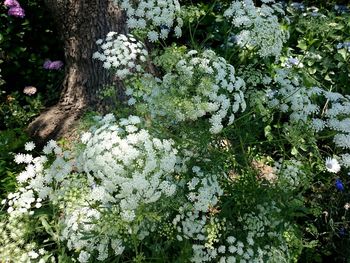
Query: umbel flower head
(332,165)
(197,85)
(259,26)
(156,18)
(123,54)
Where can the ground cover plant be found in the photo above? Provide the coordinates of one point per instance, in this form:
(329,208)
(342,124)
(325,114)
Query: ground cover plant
(232,144)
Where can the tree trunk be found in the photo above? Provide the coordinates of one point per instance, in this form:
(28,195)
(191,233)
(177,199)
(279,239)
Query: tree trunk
(80,23)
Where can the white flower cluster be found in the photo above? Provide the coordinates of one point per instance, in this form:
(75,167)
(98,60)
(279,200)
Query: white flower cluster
(157,17)
(337,117)
(14,245)
(252,246)
(126,168)
(119,168)
(259,226)
(291,96)
(123,54)
(291,174)
(292,62)
(126,165)
(198,85)
(193,220)
(30,181)
(259,26)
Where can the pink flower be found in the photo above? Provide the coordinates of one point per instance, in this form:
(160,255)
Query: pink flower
(55,65)
(29,90)
(16,11)
(11,3)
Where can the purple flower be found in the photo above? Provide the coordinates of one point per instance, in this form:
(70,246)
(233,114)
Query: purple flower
(339,185)
(56,64)
(16,11)
(47,64)
(53,65)
(11,3)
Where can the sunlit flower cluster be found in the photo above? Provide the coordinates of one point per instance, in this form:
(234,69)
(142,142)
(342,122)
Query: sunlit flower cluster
(198,85)
(255,227)
(123,54)
(259,27)
(119,168)
(126,168)
(157,17)
(290,96)
(203,193)
(15,246)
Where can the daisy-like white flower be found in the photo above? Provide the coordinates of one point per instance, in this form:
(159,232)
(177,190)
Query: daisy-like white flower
(332,165)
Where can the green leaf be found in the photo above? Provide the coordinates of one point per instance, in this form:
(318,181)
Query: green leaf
(294,151)
(302,45)
(343,53)
(268,134)
(48,228)
(327,77)
(311,70)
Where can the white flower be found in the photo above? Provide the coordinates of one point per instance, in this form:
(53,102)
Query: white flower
(332,165)
(131,101)
(152,36)
(345,160)
(29,146)
(84,257)
(178,31)
(121,53)
(259,27)
(85,137)
(23,158)
(128,215)
(33,254)
(231,239)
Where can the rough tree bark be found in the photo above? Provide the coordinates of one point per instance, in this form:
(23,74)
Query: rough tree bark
(80,23)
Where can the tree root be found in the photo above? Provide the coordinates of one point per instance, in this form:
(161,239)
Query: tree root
(56,122)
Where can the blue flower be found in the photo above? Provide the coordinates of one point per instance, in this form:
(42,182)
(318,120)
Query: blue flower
(341,9)
(298,6)
(339,185)
(342,232)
